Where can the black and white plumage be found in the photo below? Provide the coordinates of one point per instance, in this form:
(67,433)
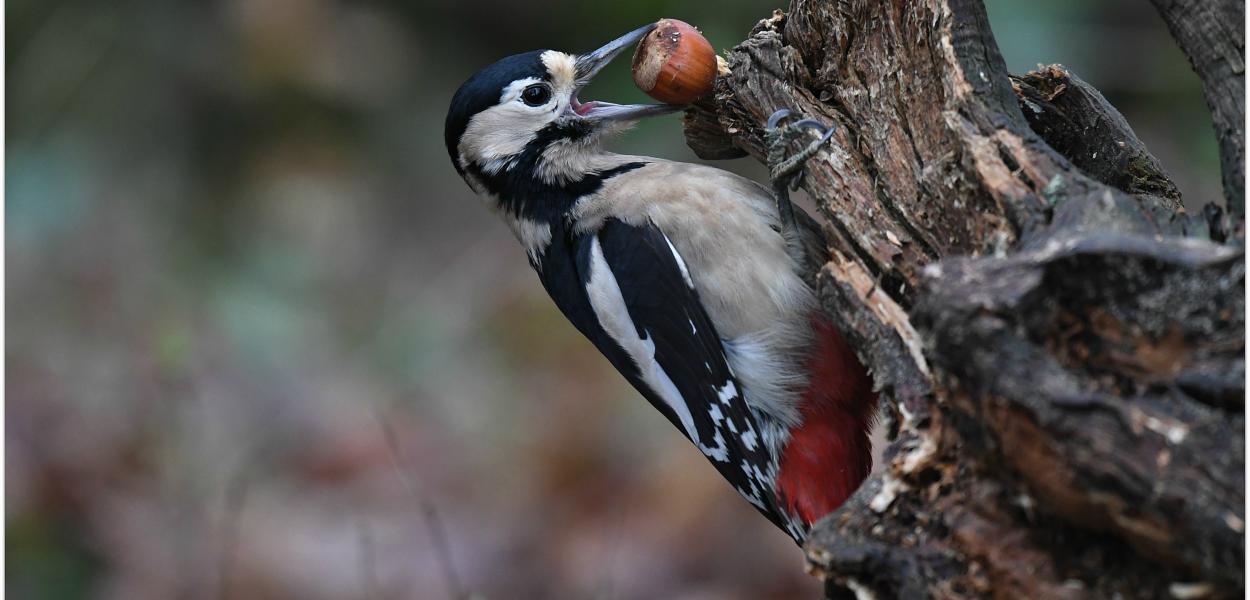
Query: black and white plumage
(628,292)
(679,274)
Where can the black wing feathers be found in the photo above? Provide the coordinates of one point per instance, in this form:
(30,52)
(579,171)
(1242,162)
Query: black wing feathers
(666,310)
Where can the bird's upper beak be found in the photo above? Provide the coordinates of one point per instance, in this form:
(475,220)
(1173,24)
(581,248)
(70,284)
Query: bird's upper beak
(587,65)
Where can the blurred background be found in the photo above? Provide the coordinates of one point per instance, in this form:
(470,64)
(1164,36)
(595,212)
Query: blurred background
(239,261)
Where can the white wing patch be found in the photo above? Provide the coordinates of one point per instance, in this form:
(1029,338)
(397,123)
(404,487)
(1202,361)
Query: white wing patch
(681,264)
(655,376)
(736,437)
(609,306)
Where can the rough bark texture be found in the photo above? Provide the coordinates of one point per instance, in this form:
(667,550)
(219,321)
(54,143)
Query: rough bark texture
(1059,345)
(1212,35)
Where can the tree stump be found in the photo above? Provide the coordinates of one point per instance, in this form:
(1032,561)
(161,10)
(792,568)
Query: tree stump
(1059,346)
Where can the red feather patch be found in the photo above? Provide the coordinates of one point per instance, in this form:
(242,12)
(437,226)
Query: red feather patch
(829,454)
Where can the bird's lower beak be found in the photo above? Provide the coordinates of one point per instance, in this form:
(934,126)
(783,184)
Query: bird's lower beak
(587,65)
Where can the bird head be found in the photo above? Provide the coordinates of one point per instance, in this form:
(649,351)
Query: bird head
(522,114)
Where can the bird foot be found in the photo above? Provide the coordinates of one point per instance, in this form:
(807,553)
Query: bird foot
(785,170)
(778,137)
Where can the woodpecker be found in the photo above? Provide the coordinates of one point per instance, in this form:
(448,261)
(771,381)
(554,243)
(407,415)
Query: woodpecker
(689,279)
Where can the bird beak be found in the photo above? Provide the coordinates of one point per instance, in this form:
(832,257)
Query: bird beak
(587,65)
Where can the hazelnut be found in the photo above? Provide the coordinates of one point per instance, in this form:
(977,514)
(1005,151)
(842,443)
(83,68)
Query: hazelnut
(674,63)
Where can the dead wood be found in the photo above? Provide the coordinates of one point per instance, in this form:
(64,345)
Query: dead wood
(1059,344)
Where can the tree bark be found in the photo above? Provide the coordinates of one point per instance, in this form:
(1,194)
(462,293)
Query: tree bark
(1212,35)
(1058,344)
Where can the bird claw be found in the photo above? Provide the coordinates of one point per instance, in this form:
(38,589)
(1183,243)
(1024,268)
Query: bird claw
(778,137)
(777,117)
(788,171)
(827,132)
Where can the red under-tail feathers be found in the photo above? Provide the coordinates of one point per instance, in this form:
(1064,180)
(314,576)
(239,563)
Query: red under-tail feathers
(829,454)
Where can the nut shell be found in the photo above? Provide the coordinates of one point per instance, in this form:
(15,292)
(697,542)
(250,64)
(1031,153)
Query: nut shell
(674,64)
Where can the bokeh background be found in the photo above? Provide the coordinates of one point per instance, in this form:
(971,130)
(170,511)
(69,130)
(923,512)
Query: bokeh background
(239,261)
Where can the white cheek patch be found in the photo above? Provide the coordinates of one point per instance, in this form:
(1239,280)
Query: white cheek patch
(495,136)
(497,133)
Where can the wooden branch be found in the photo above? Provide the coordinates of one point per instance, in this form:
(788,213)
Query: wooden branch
(1212,35)
(1078,122)
(1062,364)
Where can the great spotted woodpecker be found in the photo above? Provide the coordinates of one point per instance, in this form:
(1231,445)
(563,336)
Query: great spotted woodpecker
(689,279)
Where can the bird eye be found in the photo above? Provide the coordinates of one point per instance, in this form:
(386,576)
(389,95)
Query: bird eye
(536,95)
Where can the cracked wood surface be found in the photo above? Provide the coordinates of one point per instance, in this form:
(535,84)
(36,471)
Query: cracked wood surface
(1059,344)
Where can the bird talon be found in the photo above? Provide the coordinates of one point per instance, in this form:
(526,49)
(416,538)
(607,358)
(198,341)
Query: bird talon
(828,135)
(810,124)
(778,139)
(777,117)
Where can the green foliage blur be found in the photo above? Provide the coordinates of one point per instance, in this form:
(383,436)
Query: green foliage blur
(237,253)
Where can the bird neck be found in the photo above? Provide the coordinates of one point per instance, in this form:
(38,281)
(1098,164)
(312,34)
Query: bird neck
(543,182)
